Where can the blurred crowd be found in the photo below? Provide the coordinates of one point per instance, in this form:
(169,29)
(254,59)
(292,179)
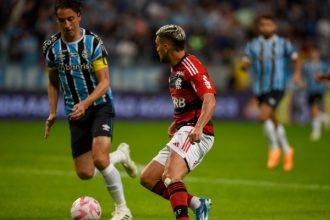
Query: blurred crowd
(216,30)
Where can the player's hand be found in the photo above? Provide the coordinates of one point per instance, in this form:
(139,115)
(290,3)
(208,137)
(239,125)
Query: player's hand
(245,63)
(49,123)
(171,130)
(318,77)
(195,135)
(298,80)
(78,111)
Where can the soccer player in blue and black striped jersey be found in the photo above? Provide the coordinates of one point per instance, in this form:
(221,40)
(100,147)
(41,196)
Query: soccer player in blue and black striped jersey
(77,63)
(268,55)
(312,69)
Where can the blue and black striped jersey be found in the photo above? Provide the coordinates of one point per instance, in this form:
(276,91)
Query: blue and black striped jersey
(309,70)
(73,62)
(269,59)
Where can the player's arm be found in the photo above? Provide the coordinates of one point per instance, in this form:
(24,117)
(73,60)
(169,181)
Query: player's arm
(297,70)
(294,56)
(102,75)
(208,107)
(171,129)
(245,62)
(322,77)
(53,90)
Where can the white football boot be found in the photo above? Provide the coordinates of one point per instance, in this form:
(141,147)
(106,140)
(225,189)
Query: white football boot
(128,164)
(122,215)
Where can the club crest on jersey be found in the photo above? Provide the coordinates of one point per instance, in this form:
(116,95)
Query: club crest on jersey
(178,83)
(84,54)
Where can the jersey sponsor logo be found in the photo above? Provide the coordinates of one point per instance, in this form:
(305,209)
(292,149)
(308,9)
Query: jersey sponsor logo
(65,67)
(207,82)
(48,42)
(179,102)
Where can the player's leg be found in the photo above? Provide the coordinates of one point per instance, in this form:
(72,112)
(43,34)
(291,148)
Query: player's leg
(102,133)
(323,115)
(176,169)
(111,175)
(81,143)
(184,157)
(122,156)
(174,172)
(316,122)
(277,96)
(286,148)
(319,117)
(151,178)
(266,113)
(84,165)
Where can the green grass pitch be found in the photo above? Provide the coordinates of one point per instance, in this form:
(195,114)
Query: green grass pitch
(37,179)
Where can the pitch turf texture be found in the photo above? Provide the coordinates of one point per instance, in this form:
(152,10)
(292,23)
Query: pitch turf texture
(38,179)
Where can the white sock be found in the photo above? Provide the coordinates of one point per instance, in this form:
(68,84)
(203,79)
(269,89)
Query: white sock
(114,185)
(316,124)
(269,129)
(324,118)
(115,157)
(194,203)
(280,131)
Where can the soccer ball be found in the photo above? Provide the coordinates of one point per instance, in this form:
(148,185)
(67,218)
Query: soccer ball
(86,208)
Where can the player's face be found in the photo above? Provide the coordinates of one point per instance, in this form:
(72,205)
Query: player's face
(267,27)
(162,50)
(69,23)
(314,54)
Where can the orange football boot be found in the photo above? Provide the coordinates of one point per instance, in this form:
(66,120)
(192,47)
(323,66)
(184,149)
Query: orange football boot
(288,160)
(273,158)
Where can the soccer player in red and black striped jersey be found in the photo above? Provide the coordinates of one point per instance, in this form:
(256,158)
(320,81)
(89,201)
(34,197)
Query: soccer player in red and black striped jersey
(191,132)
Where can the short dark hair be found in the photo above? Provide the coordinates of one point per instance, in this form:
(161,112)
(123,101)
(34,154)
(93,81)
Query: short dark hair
(314,46)
(267,17)
(75,5)
(174,33)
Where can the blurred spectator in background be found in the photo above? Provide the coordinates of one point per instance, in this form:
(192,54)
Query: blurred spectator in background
(216,30)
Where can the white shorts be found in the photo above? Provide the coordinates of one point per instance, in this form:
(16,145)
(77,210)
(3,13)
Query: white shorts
(192,153)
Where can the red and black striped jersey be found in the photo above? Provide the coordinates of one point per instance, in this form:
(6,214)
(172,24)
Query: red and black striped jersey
(188,82)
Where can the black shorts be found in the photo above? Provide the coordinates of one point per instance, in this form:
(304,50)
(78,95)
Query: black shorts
(271,98)
(315,98)
(97,122)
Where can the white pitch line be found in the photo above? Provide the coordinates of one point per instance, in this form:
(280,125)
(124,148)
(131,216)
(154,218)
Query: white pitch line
(260,183)
(213,181)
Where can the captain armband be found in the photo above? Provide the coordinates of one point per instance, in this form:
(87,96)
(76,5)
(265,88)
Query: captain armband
(100,64)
